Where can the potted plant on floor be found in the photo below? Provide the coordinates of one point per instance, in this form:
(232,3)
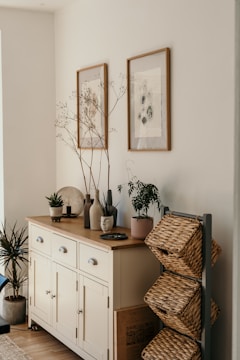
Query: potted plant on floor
(142,196)
(13,255)
(55,203)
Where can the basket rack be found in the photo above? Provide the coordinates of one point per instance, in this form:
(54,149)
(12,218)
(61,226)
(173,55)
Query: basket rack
(206,220)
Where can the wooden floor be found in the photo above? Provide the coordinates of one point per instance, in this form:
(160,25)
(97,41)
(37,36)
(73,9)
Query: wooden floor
(40,344)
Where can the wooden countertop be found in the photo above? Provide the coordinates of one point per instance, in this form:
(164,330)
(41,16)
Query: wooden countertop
(73,227)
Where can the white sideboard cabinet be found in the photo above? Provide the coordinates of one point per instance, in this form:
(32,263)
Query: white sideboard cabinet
(77,281)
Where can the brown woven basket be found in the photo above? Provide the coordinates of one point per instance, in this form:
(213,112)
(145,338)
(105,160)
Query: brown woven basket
(216,251)
(215,311)
(169,345)
(177,243)
(177,302)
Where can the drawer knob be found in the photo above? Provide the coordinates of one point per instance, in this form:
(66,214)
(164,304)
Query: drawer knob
(63,249)
(53,296)
(39,239)
(92,261)
(48,292)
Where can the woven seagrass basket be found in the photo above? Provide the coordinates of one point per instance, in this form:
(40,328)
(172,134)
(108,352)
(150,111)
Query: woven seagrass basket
(177,302)
(216,251)
(169,345)
(177,243)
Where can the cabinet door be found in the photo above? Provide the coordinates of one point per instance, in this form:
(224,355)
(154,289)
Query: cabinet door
(93,318)
(65,301)
(40,286)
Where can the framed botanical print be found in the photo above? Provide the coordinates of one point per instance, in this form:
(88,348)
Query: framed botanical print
(149,120)
(92,107)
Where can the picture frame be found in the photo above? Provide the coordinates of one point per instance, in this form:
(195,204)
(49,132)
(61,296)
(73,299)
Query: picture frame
(92,107)
(148,97)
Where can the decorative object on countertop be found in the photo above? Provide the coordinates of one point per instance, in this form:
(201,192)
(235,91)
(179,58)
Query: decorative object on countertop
(86,210)
(95,213)
(114,236)
(109,209)
(14,255)
(56,203)
(106,223)
(73,201)
(142,196)
(88,130)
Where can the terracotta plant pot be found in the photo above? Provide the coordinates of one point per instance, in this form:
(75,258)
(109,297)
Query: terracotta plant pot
(141,227)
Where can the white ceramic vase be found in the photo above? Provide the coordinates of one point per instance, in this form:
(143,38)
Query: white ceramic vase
(95,213)
(107,223)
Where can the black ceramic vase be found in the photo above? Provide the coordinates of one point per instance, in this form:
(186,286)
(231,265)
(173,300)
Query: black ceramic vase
(86,216)
(112,210)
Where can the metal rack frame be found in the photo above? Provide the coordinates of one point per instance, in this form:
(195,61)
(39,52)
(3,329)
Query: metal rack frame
(206,279)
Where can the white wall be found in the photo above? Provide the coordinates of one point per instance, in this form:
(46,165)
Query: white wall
(197,175)
(1,136)
(236,248)
(28,112)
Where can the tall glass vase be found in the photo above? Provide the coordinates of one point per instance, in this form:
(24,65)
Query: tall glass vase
(112,210)
(86,215)
(95,213)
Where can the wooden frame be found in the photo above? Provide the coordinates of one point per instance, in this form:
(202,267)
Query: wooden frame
(92,107)
(149,120)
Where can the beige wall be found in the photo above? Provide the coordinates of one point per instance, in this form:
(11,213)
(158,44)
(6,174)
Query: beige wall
(28,112)
(197,175)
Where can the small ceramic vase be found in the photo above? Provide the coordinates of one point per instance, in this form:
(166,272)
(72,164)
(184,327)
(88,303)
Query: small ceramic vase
(95,213)
(106,223)
(86,216)
(112,209)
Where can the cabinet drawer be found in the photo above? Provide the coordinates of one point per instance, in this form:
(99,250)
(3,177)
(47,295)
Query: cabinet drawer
(94,261)
(64,250)
(40,239)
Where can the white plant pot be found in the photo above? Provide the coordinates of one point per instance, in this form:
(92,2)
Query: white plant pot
(56,213)
(107,223)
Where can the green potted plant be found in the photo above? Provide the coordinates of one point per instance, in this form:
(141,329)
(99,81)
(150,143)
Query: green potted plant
(13,255)
(142,197)
(55,203)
